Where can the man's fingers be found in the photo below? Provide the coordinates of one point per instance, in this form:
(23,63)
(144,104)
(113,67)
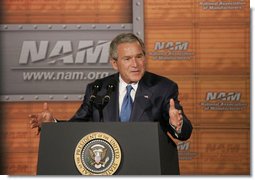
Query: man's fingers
(32,115)
(35,119)
(38,131)
(32,121)
(176,118)
(34,125)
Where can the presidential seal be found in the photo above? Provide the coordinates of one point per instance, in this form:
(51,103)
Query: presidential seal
(97,154)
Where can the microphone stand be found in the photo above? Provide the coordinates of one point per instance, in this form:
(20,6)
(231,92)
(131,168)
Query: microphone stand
(100,102)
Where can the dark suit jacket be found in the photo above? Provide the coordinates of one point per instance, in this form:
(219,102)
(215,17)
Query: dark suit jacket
(151,103)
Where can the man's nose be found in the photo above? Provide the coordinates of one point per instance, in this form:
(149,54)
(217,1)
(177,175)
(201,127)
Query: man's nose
(134,61)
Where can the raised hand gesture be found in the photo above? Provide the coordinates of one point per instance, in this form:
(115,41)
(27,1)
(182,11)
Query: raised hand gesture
(37,119)
(175,117)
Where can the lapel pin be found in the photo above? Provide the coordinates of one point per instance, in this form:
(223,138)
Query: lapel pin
(146,97)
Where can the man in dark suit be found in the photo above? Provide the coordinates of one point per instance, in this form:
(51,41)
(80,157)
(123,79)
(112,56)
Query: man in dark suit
(135,94)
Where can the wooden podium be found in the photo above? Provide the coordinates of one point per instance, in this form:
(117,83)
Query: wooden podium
(145,148)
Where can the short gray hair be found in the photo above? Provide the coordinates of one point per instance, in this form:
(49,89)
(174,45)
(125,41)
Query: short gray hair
(123,38)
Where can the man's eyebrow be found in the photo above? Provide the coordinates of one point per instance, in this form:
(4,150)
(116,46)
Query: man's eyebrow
(135,54)
(140,53)
(127,56)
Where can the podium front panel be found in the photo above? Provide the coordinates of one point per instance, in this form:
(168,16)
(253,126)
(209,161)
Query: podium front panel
(139,143)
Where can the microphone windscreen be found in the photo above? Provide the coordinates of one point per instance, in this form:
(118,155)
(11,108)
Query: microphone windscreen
(112,84)
(97,85)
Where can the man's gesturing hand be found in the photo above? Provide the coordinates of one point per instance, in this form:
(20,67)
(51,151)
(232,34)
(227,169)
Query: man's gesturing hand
(36,120)
(175,116)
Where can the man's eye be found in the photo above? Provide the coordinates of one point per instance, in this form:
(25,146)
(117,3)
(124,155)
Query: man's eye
(140,57)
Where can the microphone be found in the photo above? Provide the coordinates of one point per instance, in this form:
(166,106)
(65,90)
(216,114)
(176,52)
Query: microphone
(95,89)
(109,89)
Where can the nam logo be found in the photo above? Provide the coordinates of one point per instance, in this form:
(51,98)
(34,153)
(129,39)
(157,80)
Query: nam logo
(183,146)
(171,50)
(223,101)
(171,45)
(223,96)
(67,52)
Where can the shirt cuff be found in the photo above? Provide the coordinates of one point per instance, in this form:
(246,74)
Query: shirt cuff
(177,132)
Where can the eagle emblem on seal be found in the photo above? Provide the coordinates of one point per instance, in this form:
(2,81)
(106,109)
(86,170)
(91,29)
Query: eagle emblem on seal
(98,156)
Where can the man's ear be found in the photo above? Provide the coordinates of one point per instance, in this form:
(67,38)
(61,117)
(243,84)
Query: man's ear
(114,64)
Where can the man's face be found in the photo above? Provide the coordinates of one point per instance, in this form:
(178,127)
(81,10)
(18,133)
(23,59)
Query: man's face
(130,63)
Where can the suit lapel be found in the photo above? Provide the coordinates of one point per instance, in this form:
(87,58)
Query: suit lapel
(142,99)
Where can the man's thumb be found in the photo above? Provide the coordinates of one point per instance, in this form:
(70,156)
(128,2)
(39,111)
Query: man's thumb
(172,106)
(45,106)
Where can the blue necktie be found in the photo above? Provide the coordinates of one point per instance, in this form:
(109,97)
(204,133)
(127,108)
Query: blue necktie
(127,105)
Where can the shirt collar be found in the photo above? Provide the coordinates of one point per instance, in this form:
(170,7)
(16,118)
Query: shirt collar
(123,84)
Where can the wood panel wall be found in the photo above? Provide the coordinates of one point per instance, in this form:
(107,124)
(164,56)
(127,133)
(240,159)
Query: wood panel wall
(220,43)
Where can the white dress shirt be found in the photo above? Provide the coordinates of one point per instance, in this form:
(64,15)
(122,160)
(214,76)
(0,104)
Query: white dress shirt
(123,91)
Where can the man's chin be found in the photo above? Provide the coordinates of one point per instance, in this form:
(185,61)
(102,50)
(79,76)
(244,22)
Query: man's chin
(136,76)
(136,79)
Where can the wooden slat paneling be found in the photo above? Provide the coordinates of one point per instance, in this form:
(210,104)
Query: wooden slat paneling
(222,50)
(66,11)
(164,13)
